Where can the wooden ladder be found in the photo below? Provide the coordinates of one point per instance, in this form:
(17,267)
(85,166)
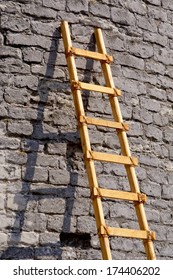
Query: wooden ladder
(90,156)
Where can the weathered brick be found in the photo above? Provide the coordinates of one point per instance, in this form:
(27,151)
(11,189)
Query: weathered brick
(149,104)
(14,23)
(154,2)
(34,222)
(130,60)
(2,201)
(29,40)
(52,205)
(146,24)
(49,238)
(26,81)
(137,7)
(16,202)
(167,4)
(76,6)
(3,239)
(167,135)
(142,115)
(13,95)
(34,174)
(54,4)
(29,238)
(7,51)
(59,177)
(79,206)
(122,16)
(154,132)
(40,12)
(10,172)
(57,148)
(99,9)
(32,55)
(122,244)
(60,223)
(14,157)
(9,143)
(20,127)
(86,224)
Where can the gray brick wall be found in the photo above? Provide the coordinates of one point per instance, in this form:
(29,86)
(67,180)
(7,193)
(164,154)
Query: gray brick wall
(45,209)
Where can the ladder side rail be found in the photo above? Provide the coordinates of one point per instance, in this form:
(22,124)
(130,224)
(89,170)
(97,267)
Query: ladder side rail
(140,211)
(89,163)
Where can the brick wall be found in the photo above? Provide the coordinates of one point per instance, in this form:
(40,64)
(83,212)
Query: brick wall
(45,210)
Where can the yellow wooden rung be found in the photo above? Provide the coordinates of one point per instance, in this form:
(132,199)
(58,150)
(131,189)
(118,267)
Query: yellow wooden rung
(77,85)
(116,194)
(100,122)
(89,54)
(130,233)
(112,158)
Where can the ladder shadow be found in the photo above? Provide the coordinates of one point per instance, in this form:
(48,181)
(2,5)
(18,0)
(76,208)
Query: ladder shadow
(48,250)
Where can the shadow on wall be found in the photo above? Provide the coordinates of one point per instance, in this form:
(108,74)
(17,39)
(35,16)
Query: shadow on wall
(49,250)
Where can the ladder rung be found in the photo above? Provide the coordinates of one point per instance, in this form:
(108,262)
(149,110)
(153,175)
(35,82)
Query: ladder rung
(131,233)
(91,87)
(112,158)
(89,54)
(100,122)
(130,196)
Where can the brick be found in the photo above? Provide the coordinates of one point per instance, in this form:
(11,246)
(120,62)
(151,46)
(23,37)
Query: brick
(54,4)
(166,29)
(45,28)
(9,143)
(14,23)
(10,172)
(34,222)
(149,104)
(14,157)
(160,120)
(7,51)
(117,211)
(49,238)
(122,244)
(157,13)
(52,205)
(122,16)
(154,133)
(20,113)
(155,67)
(135,129)
(167,4)
(60,177)
(163,55)
(140,49)
(99,9)
(76,6)
(149,160)
(13,95)
(6,222)
(31,173)
(40,12)
(20,127)
(146,24)
(29,238)
(130,60)
(86,224)
(167,192)
(155,38)
(12,65)
(2,201)
(30,81)
(157,176)
(59,223)
(137,7)
(16,202)
(154,2)
(3,239)
(142,115)
(32,55)
(157,93)
(57,148)
(78,206)
(167,135)
(30,40)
